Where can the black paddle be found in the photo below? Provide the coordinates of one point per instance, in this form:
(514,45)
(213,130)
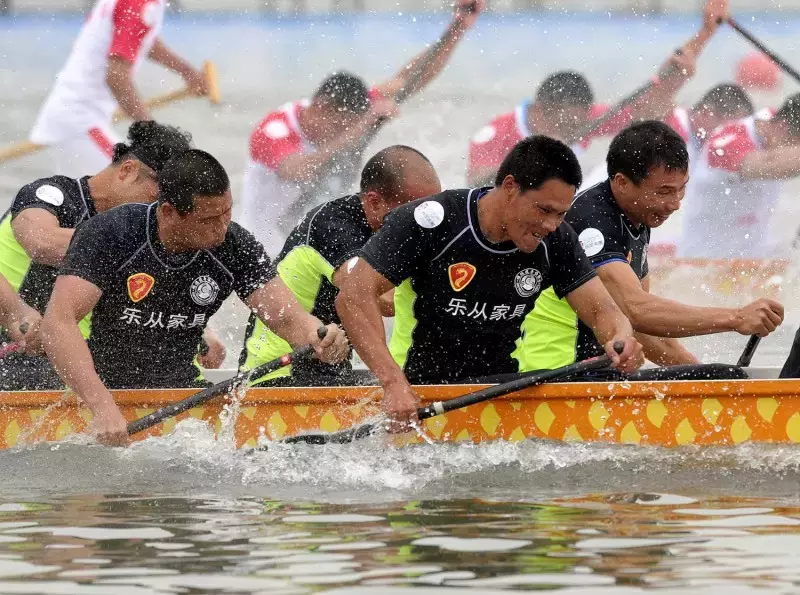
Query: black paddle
(440,407)
(760,46)
(749,351)
(220,388)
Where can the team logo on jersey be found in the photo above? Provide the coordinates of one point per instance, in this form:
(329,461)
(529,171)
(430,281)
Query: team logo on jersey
(139,286)
(461,274)
(204,291)
(528,282)
(50,194)
(592,241)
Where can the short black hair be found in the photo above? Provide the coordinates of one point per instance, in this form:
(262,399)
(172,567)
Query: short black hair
(790,114)
(645,145)
(565,88)
(536,159)
(344,91)
(727,100)
(152,143)
(384,174)
(191,174)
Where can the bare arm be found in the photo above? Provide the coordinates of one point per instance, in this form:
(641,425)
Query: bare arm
(40,235)
(279,310)
(434,59)
(119,78)
(161,54)
(594,306)
(654,315)
(16,316)
(386,301)
(774,164)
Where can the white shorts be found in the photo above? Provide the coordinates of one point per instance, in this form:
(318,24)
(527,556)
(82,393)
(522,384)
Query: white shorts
(84,154)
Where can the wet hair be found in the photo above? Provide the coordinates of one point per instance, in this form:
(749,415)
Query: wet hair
(726,100)
(537,159)
(344,91)
(565,89)
(384,172)
(790,114)
(189,175)
(639,148)
(152,143)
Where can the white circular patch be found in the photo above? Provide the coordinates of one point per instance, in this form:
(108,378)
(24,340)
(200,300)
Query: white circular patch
(150,13)
(50,194)
(277,129)
(528,282)
(429,214)
(484,135)
(204,291)
(592,241)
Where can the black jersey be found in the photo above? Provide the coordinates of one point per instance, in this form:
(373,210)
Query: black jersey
(461,299)
(70,202)
(326,238)
(554,335)
(155,305)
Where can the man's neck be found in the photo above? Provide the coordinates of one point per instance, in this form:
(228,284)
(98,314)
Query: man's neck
(99,193)
(619,198)
(490,213)
(171,243)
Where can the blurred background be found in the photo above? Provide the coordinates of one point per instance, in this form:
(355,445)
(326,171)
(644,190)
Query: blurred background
(268,53)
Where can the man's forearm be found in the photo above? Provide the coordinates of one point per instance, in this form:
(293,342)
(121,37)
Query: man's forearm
(361,317)
(658,316)
(67,350)
(161,54)
(609,322)
(118,79)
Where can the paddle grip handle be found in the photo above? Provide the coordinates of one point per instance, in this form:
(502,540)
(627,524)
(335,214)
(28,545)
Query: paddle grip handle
(322,332)
(749,351)
(619,347)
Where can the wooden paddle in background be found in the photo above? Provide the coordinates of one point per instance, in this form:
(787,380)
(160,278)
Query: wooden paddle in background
(26,147)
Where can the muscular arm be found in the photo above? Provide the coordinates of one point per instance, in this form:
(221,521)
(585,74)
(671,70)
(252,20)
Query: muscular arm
(774,164)
(72,299)
(279,310)
(358,305)
(40,235)
(386,301)
(654,315)
(119,78)
(161,54)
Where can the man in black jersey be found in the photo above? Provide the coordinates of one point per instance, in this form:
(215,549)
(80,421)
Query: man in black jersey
(469,265)
(648,169)
(152,276)
(37,228)
(322,250)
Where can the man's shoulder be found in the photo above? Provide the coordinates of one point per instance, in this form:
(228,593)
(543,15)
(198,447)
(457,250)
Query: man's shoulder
(53,190)
(276,136)
(126,220)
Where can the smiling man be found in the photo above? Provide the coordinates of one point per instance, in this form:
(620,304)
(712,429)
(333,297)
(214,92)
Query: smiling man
(648,169)
(469,265)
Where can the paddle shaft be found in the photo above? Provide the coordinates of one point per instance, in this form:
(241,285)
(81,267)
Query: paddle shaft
(27,147)
(749,351)
(440,407)
(764,49)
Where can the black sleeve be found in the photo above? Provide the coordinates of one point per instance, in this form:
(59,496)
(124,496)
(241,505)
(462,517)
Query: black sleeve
(599,233)
(570,268)
(247,261)
(44,194)
(97,251)
(402,245)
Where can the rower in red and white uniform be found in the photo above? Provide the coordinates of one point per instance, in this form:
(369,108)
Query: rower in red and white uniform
(76,118)
(737,183)
(564,108)
(310,151)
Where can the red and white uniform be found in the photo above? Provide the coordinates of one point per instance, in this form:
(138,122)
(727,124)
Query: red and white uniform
(76,117)
(727,216)
(493,142)
(272,206)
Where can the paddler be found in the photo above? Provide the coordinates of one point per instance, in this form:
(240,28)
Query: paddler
(152,276)
(564,106)
(322,250)
(309,151)
(648,169)
(38,227)
(468,266)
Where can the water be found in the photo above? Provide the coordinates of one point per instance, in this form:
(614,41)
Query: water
(188,514)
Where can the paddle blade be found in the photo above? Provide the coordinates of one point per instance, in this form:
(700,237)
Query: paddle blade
(210,73)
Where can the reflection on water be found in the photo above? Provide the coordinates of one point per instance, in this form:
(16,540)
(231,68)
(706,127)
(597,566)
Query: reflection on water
(622,543)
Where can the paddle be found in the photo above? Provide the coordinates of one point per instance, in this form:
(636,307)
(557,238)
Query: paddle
(440,407)
(749,351)
(220,388)
(760,46)
(26,147)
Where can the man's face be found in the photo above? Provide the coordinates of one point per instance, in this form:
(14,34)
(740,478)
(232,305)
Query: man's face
(570,120)
(205,226)
(707,119)
(533,214)
(656,198)
(332,122)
